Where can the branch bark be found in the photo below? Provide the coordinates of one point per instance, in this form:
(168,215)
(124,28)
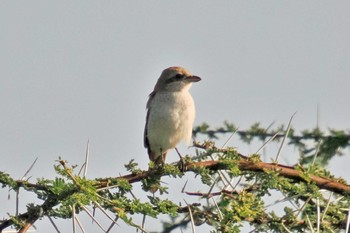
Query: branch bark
(286,171)
(244,164)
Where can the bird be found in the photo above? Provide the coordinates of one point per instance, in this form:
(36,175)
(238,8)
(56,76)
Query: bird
(170,113)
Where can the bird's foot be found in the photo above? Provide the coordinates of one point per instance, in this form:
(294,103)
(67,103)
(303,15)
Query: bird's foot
(182,164)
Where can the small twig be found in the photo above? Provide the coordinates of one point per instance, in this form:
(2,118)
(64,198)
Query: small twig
(310,224)
(84,167)
(217,207)
(17,202)
(191,217)
(183,188)
(113,224)
(143,221)
(68,171)
(348,221)
(285,137)
(29,169)
(266,142)
(133,195)
(229,138)
(213,185)
(79,224)
(53,223)
(318,214)
(316,153)
(87,155)
(286,228)
(104,211)
(327,206)
(237,183)
(92,217)
(93,212)
(23,178)
(280,200)
(207,195)
(74,219)
(222,175)
(303,206)
(107,187)
(210,195)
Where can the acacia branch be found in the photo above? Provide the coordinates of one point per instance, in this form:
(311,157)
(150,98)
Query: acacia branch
(244,164)
(285,171)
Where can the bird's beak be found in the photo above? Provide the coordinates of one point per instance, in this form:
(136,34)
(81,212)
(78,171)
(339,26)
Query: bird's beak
(193,78)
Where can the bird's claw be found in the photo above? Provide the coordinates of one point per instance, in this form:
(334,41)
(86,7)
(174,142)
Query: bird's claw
(181,164)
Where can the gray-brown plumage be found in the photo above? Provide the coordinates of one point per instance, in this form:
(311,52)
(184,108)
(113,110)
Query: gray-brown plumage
(170,113)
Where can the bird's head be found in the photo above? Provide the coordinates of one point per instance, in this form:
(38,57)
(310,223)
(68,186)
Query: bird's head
(175,79)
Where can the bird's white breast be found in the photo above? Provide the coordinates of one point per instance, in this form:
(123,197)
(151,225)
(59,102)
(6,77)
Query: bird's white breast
(170,119)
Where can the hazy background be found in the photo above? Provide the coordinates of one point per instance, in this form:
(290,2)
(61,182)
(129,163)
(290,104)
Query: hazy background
(77,71)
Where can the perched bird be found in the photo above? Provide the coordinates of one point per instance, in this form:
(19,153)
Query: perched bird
(170,113)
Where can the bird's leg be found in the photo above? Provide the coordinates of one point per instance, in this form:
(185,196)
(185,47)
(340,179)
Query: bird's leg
(161,158)
(163,155)
(182,162)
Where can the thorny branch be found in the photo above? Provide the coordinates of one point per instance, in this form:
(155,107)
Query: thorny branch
(244,164)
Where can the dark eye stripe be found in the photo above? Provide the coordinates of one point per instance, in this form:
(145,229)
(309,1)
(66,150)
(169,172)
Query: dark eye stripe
(179,76)
(175,78)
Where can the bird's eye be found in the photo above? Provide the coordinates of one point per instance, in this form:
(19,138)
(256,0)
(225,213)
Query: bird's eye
(179,77)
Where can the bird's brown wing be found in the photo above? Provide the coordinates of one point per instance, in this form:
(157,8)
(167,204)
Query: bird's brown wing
(145,134)
(152,156)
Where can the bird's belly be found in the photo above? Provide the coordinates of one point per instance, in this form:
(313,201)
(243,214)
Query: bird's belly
(170,122)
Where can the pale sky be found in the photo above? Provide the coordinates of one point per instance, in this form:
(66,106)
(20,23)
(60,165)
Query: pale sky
(73,71)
